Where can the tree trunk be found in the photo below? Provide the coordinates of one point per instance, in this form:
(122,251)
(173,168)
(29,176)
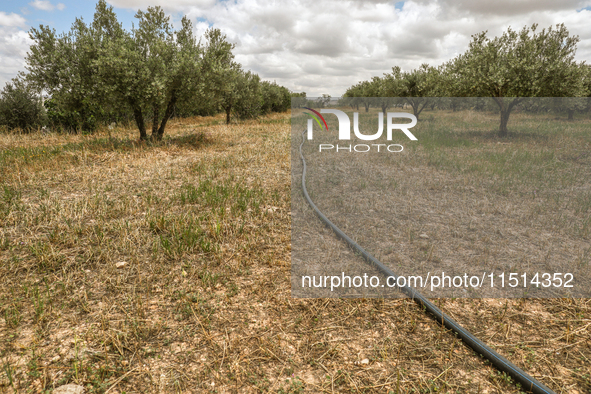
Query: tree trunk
(505,112)
(384,109)
(139,121)
(420,108)
(366,107)
(571,114)
(228,111)
(416,108)
(167,115)
(156,113)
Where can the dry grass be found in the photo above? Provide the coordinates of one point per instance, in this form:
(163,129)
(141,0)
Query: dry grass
(460,200)
(165,268)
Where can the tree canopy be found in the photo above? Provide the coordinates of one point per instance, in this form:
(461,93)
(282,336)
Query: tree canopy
(19,106)
(509,68)
(517,65)
(147,71)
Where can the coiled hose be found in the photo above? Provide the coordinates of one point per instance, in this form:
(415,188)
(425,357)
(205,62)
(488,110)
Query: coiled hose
(500,362)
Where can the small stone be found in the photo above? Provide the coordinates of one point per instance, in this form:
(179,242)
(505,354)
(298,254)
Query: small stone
(69,389)
(424,236)
(120,264)
(178,347)
(365,361)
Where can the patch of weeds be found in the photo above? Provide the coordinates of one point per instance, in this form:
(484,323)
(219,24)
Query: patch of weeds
(247,198)
(178,235)
(33,366)
(207,193)
(47,258)
(292,386)
(26,155)
(12,315)
(217,195)
(10,374)
(233,290)
(502,376)
(4,243)
(9,200)
(435,140)
(208,279)
(275,121)
(40,300)
(102,145)
(184,304)
(260,381)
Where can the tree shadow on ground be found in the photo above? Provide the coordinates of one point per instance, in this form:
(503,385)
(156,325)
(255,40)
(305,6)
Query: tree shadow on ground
(513,135)
(195,140)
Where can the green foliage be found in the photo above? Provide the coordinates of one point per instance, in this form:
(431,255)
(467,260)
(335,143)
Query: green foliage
(516,65)
(145,71)
(150,68)
(352,96)
(64,117)
(508,68)
(20,108)
(396,88)
(249,100)
(223,73)
(275,98)
(99,72)
(298,100)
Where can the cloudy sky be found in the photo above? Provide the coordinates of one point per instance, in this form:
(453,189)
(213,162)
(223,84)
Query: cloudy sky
(316,46)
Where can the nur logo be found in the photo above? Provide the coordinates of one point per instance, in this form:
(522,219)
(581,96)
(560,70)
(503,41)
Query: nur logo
(345,124)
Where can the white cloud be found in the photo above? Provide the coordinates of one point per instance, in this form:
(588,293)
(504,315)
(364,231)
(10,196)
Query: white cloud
(14,44)
(326,46)
(12,19)
(45,5)
(175,5)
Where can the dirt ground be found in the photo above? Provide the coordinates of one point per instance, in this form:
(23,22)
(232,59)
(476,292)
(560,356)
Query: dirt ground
(165,268)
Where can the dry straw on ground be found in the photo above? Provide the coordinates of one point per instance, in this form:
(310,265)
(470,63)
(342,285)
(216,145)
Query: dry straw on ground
(165,268)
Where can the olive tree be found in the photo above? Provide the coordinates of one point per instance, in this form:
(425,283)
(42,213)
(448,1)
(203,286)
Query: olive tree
(147,70)
(20,106)
(352,96)
(241,95)
(275,98)
(298,100)
(515,65)
(63,66)
(418,87)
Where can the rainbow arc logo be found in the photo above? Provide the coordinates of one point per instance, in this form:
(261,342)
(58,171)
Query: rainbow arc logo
(316,118)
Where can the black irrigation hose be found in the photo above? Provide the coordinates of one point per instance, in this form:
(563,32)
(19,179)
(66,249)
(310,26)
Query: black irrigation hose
(500,362)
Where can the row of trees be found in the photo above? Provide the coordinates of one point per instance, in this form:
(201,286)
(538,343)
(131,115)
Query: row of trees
(508,68)
(100,72)
(20,107)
